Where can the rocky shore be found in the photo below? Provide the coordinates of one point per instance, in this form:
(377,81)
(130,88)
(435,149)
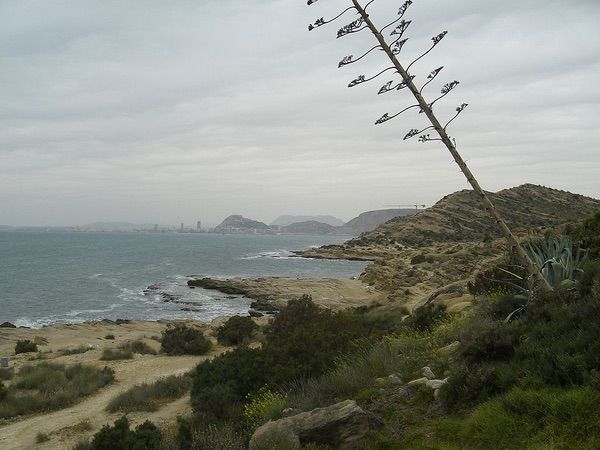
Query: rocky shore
(271,293)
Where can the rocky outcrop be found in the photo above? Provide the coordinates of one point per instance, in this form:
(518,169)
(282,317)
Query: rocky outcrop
(340,426)
(272,293)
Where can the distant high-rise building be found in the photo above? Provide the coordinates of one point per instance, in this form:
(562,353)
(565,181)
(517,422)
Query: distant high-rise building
(156,228)
(181,228)
(199,225)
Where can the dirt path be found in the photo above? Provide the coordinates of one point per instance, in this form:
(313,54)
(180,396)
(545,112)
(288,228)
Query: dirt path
(59,425)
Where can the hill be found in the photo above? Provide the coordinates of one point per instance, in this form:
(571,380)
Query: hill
(237,223)
(461,217)
(309,227)
(370,220)
(286,220)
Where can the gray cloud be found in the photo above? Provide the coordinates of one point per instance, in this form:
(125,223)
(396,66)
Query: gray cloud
(164,112)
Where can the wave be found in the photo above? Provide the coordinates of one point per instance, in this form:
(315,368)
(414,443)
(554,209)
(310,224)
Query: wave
(278,254)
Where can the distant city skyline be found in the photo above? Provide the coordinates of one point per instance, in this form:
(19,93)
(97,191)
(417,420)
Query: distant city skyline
(163,112)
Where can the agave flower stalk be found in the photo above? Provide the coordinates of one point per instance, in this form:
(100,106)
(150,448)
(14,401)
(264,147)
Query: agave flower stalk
(391,50)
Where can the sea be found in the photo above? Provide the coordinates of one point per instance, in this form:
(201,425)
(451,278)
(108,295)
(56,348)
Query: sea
(71,277)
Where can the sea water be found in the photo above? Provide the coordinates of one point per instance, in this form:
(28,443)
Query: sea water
(52,277)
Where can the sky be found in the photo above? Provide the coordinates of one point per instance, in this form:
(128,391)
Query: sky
(150,111)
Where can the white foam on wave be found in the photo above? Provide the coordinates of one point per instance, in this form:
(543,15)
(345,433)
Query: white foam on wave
(277,254)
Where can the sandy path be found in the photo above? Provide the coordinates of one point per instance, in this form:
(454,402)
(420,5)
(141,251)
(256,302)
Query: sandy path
(22,434)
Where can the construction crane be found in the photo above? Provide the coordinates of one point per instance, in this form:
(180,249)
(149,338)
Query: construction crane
(417,206)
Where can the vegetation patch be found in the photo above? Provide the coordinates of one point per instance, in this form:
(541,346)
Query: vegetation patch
(237,330)
(184,340)
(25,346)
(113,354)
(47,387)
(137,347)
(119,436)
(151,396)
(76,350)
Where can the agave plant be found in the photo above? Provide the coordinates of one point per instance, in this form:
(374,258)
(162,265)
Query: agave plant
(556,260)
(557,263)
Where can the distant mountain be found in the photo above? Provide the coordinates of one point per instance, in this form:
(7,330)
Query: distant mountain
(238,224)
(286,220)
(310,227)
(116,226)
(370,220)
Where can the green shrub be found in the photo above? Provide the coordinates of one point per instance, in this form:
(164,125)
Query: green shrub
(41,437)
(3,391)
(150,396)
(554,342)
(590,278)
(120,436)
(137,347)
(25,346)
(109,337)
(263,406)
(184,340)
(587,237)
(194,433)
(47,387)
(536,419)
(427,316)
(83,444)
(420,258)
(7,373)
(351,373)
(302,341)
(112,354)
(76,350)
(237,330)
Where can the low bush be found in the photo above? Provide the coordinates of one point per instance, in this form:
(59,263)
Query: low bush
(421,258)
(3,391)
(137,347)
(47,387)
(587,237)
(302,342)
(109,337)
(119,436)
(237,330)
(25,346)
(426,317)
(113,354)
(195,433)
(263,406)
(41,437)
(76,350)
(7,373)
(554,342)
(150,396)
(184,340)
(536,419)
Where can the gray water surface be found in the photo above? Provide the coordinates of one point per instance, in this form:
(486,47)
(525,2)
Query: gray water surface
(49,277)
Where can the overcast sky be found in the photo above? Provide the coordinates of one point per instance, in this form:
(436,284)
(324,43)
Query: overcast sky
(155,111)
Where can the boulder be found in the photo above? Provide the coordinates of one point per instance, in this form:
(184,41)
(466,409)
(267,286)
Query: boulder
(435,384)
(254,313)
(7,325)
(417,382)
(449,349)
(340,426)
(428,373)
